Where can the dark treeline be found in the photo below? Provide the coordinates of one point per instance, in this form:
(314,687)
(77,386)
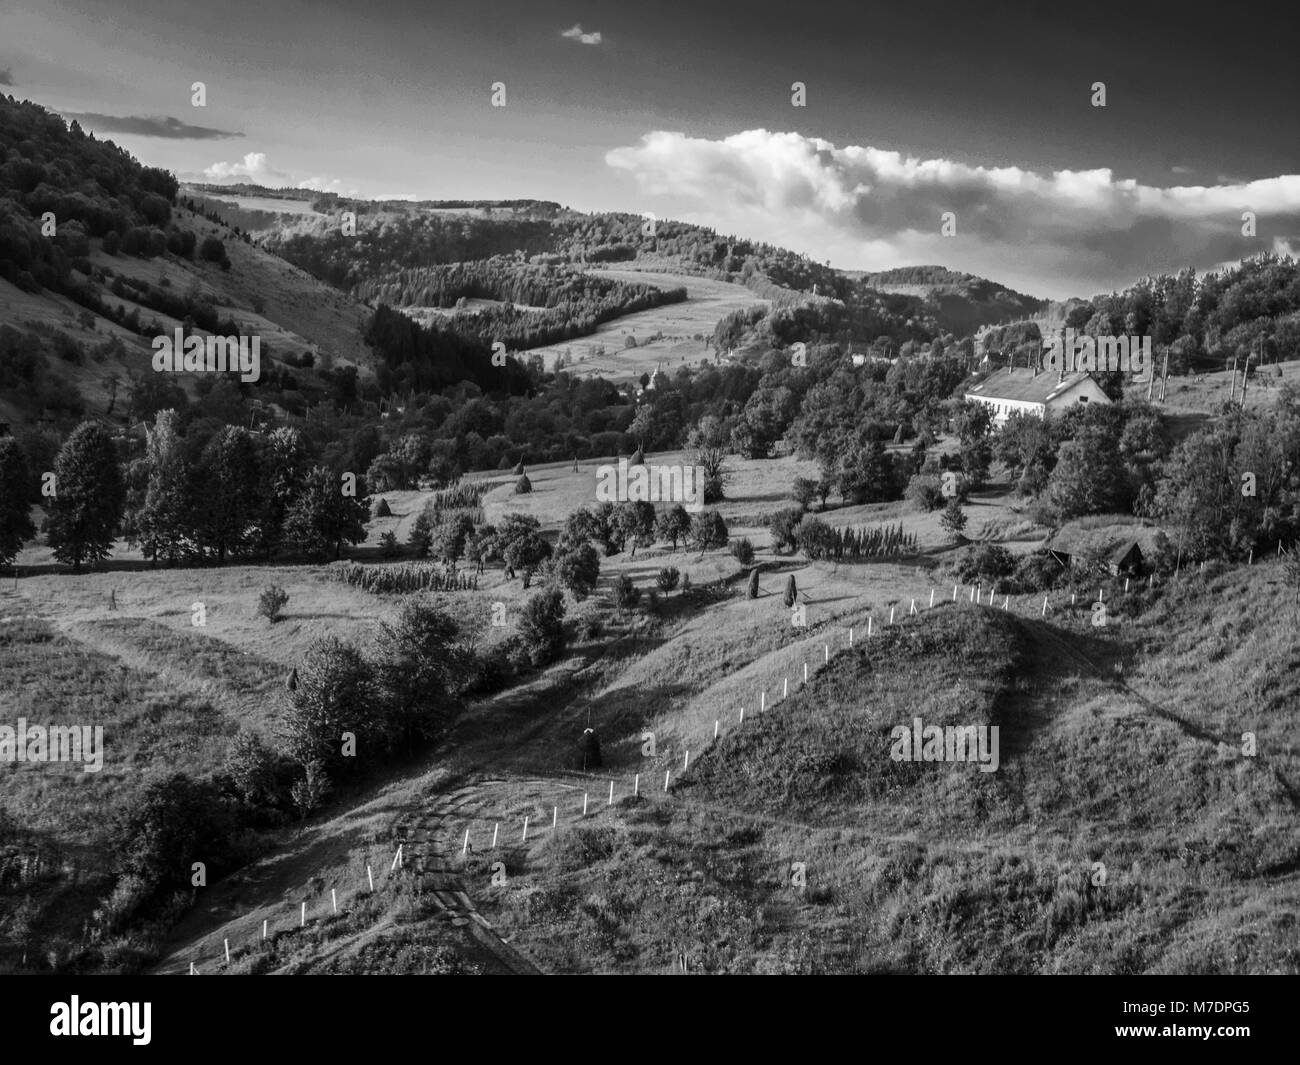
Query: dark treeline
(560,304)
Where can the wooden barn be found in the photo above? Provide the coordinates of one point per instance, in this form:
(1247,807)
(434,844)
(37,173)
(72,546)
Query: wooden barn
(1119,549)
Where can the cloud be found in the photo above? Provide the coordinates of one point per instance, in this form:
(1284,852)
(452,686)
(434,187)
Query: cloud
(148,126)
(1070,230)
(256,169)
(6,77)
(575,34)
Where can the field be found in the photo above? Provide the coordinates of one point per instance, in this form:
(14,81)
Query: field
(707,301)
(1120,758)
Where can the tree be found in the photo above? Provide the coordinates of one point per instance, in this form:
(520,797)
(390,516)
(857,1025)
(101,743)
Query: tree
(450,537)
(284,464)
(752,591)
(626,594)
(791,592)
(667,578)
(521,545)
(708,530)
(742,550)
(1088,477)
(784,526)
(251,766)
(336,693)
(635,521)
(577,568)
(953,518)
(89,492)
(674,524)
(421,538)
(866,473)
(804,492)
(541,626)
(227,500)
(421,668)
(174,822)
(323,517)
(15,510)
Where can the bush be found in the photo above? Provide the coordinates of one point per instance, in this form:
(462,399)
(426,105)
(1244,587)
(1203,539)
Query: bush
(791,591)
(925,492)
(743,551)
(752,592)
(784,527)
(388,545)
(1037,573)
(523,486)
(626,594)
(986,563)
(271,602)
(667,579)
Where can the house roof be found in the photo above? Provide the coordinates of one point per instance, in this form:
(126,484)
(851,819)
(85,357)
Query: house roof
(1024,385)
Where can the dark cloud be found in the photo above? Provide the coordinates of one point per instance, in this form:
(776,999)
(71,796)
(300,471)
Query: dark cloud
(6,77)
(149,126)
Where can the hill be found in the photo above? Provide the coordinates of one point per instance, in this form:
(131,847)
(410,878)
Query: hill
(124,261)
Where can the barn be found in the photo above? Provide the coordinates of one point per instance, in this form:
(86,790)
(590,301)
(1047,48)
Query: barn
(1120,549)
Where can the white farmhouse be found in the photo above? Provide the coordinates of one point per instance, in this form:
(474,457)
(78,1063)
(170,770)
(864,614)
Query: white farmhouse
(1034,391)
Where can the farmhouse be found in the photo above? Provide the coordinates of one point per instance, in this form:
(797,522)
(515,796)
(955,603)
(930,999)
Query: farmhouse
(1034,391)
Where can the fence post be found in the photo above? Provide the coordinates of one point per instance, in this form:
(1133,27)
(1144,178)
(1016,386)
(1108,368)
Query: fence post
(397,858)
(227,951)
(524,838)
(666,774)
(302,919)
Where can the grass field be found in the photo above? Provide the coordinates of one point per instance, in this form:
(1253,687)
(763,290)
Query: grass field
(1120,746)
(707,302)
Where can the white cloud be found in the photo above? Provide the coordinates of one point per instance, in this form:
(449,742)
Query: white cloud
(254,168)
(1051,233)
(574,33)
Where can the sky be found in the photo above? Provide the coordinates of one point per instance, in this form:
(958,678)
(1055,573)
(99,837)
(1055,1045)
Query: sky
(965,135)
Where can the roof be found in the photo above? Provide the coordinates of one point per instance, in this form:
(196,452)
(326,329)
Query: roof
(1025,386)
(1111,542)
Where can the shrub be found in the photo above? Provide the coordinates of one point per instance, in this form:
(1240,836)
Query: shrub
(925,492)
(523,486)
(271,602)
(752,592)
(388,546)
(986,563)
(954,518)
(667,579)
(743,550)
(626,594)
(791,591)
(784,526)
